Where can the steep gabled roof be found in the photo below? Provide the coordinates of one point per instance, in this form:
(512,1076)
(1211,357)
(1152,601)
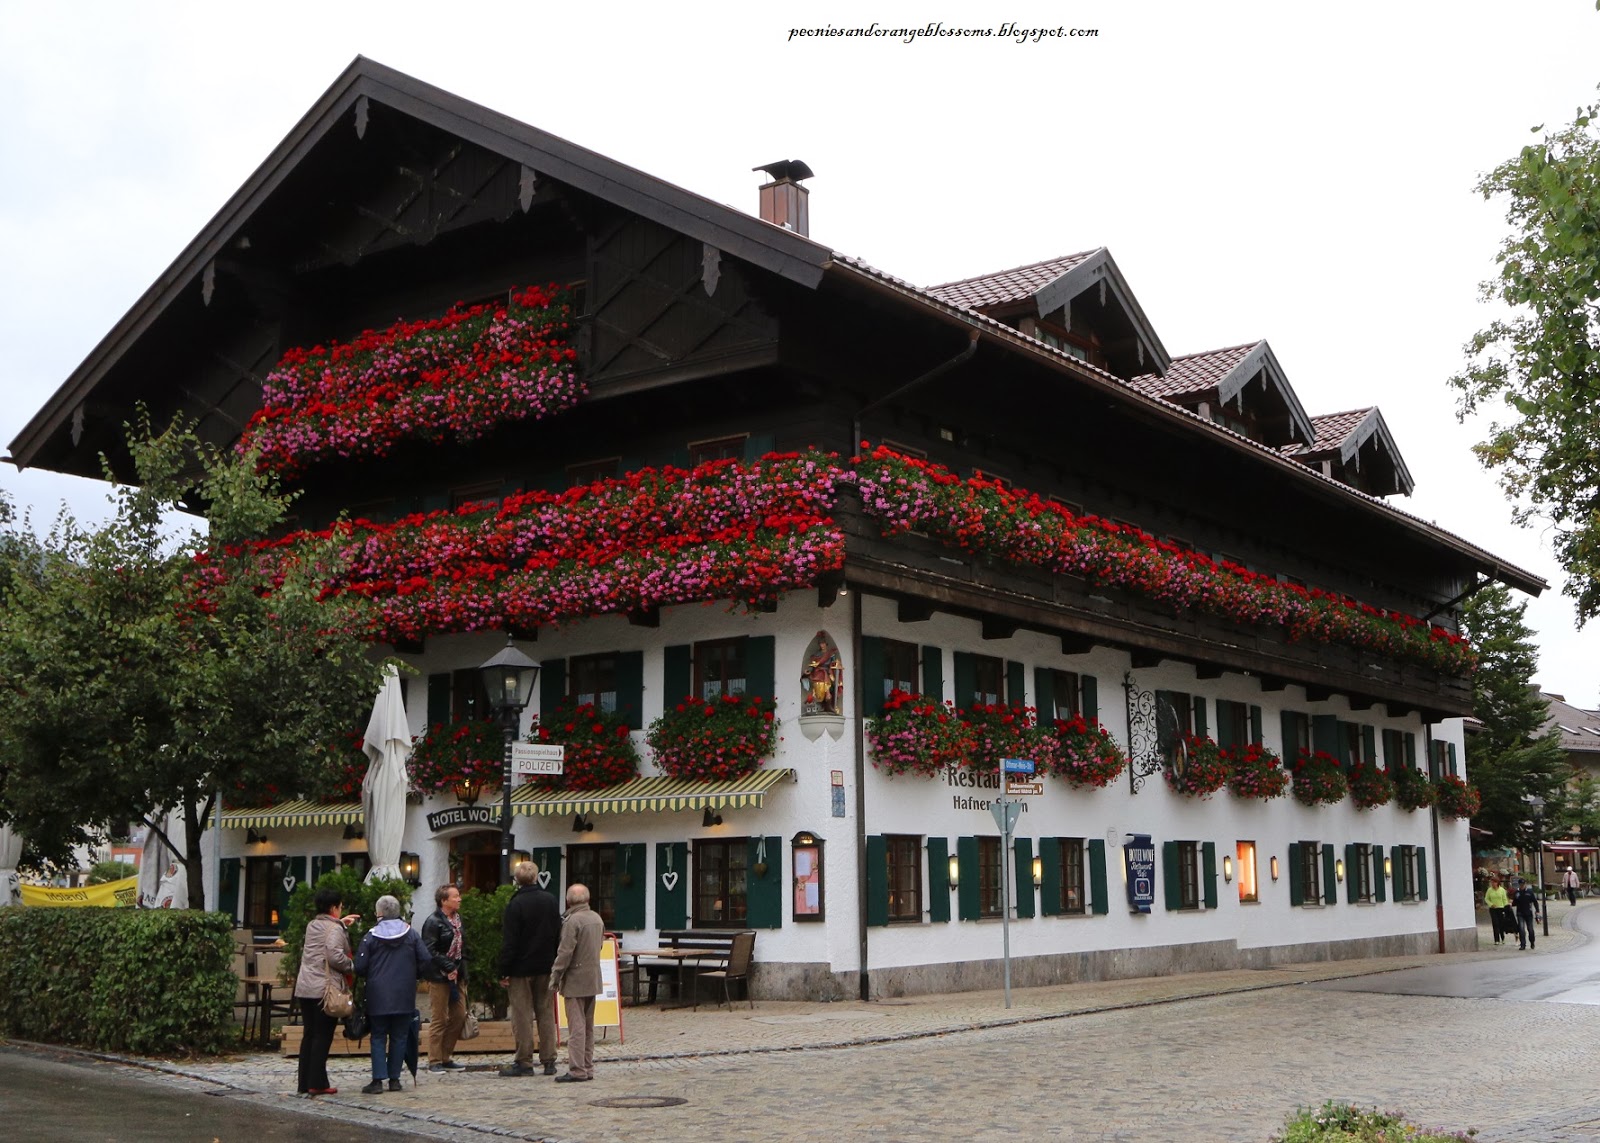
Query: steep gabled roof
(1341,436)
(1221,374)
(1006,287)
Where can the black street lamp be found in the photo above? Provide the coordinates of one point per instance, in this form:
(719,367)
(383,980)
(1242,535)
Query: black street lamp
(1536,804)
(508,678)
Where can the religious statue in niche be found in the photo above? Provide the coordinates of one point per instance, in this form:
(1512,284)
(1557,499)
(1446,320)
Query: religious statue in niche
(822,680)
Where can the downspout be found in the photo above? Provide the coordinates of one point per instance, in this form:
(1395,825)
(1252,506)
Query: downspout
(1438,857)
(861,684)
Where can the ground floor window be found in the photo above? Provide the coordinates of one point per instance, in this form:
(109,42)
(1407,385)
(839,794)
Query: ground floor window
(263,883)
(1073,897)
(1360,873)
(595,866)
(1311,872)
(1245,871)
(1405,873)
(720,883)
(1188,875)
(905,877)
(991,889)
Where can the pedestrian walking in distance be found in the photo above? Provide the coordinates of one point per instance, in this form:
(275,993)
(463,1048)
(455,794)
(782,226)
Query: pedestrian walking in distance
(576,976)
(1498,902)
(530,936)
(1570,880)
(1526,903)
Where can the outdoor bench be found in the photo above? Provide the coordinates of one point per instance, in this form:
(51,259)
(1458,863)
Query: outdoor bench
(711,941)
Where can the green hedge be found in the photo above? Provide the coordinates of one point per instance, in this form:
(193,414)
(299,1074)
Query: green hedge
(144,981)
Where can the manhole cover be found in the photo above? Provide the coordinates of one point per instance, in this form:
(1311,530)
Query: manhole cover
(639,1101)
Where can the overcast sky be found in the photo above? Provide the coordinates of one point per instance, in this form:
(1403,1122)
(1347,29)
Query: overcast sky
(1295,172)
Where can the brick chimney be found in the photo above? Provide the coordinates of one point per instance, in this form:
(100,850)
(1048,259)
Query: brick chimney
(783,200)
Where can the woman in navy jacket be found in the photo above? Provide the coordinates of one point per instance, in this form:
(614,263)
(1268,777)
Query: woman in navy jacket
(391,957)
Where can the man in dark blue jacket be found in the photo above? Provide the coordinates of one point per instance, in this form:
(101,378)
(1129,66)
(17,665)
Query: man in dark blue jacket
(1526,903)
(529,936)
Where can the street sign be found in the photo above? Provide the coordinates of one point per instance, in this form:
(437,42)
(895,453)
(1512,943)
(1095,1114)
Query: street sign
(1017,765)
(1016,789)
(1005,815)
(531,759)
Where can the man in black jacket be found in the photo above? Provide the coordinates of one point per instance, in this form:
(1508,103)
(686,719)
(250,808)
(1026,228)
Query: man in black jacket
(1526,902)
(447,979)
(529,937)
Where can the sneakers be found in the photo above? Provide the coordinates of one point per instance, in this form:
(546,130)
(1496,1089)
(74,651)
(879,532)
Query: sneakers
(373,1088)
(447,1066)
(570,1078)
(394,1085)
(550,1068)
(516,1070)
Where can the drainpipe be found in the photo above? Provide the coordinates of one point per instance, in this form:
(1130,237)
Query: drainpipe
(861,791)
(1438,857)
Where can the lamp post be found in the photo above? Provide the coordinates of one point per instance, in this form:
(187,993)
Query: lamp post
(1536,804)
(508,678)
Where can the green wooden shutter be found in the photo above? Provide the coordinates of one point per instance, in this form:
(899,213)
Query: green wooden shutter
(760,668)
(938,879)
(1225,724)
(1044,693)
(1101,902)
(1016,684)
(764,892)
(1288,726)
(1297,881)
(1422,875)
(1170,877)
(1350,879)
(878,880)
(1089,703)
(548,859)
(228,887)
(322,863)
(1380,883)
(630,691)
(1325,734)
(1022,849)
(439,699)
(552,684)
(968,902)
(1208,869)
(677,679)
(1450,755)
(1255,725)
(672,884)
(1050,876)
(933,673)
(872,675)
(1330,883)
(1369,745)
(966,672)
(757,445)
(1399,852)
(632,877)
(1201,730)
(1411,750)
(294,867)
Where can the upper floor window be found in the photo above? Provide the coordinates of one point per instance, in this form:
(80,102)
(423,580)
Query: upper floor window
(1065,697)
(593,471)
(989,680)
(720,668)
(722,448)
(593,679)
(474,493)
(900,661)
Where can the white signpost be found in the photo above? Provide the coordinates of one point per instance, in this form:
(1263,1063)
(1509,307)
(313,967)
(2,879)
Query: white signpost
(1017,773)
(536,760)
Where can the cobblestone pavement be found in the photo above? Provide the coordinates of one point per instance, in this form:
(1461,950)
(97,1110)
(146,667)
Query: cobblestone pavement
(1213,1056)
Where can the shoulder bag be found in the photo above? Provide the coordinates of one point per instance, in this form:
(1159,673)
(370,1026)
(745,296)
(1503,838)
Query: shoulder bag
(336,999)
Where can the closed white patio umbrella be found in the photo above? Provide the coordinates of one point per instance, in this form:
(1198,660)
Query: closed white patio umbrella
(10,855)
(387,744)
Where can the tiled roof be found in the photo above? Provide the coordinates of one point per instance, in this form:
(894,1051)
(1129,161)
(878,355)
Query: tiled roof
(1013,285)
(1331,429)
(1193,374)
(1579,728)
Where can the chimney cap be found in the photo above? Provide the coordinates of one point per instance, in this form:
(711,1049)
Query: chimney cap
(791,169)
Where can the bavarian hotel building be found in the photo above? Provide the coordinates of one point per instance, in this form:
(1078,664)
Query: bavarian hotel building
(625,425)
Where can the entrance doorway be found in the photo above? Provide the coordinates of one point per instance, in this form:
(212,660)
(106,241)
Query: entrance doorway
(475,858)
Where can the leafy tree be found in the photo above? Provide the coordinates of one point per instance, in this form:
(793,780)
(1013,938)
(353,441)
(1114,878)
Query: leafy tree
(1542,361)
(1512,756)
(102,871)
(146,667)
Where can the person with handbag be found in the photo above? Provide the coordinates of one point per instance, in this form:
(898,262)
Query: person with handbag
(392,957)
(321,988)
(447,979)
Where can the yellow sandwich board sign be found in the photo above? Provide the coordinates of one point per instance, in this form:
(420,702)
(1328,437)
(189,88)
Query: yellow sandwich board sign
(608,1005)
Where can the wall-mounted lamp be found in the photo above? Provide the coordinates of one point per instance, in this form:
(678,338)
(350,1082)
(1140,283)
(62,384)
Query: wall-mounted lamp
(1388,867)
(1274,868)
(411,869)
(1338,869)
(251,837)
(1038,872)
(467,790)
(1227,868)
(581,824)
(710,818)
(353,831)
(955,872)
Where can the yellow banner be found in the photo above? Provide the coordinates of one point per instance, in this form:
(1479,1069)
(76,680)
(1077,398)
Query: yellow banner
(124,892)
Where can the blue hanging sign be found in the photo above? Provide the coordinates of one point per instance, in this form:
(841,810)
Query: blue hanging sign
(1139,865)
(1016,765)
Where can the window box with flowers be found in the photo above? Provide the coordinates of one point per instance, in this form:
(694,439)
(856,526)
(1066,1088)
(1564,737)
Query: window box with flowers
(1370,787)
(1256,772)
(1412,790)
(1455,798)
(712,739)
(1200,771)
(1085,755)
(1318,779)
(466,757)
(599,750)
(999,731)
(917,735)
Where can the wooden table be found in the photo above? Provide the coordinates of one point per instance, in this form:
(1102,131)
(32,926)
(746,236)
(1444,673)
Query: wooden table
(260,1008)
(682,955)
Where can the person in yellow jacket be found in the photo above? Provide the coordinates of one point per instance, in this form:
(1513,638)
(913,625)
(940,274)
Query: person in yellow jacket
(1498,903)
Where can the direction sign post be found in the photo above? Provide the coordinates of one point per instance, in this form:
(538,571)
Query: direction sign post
(535,759)
(1005,815)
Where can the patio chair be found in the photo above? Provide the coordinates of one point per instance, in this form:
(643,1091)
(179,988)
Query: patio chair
(736,967)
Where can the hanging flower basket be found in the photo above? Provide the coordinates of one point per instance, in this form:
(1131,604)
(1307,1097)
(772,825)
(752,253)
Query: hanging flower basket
(1256,772)
(1086,756)
(599,747)
(1318,779)
(1456,799)
(917,735)
(466,754)
(720,738)
(1202,772)
(998,731)
(1412,790)
(1370,787)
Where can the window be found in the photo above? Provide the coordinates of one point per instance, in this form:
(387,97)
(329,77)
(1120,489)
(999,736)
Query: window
(593,679)
(1296,735)
(1394,750)
(719,668)
(1188,853)
(474,493)
(468,699)
(360,861)
(1067,705)
(905,449)
(1405,872)
(1233,723)
(263,879)
(1437,766)
(900,662)
(905,878)
(1352,743)
(989,680)
(1360,873)
(593,471)
(1073,897)
(595,866)
(991,890)
(723,448)
(1311,872)
(1245,870)
(719,883)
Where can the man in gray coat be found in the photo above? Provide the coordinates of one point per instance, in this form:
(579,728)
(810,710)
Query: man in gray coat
(576,976)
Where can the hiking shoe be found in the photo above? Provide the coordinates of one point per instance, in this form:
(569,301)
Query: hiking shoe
(394,1085)
(373,1088)
(550,1068)
(451,1066)
(516,1070)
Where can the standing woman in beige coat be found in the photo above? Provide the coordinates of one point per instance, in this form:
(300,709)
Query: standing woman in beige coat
(326,950)
(576,976)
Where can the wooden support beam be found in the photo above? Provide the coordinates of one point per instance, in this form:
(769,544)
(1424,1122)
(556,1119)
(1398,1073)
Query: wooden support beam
(1273,683)
(648,617)
(409,646)
(995,628)
(1315,693)
(1362,702)
(1142,659)
(828,592)
(915,610)
(1076,644)
(524,634)
(1207,671)
(1399,709)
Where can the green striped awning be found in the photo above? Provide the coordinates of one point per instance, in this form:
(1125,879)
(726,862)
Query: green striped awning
(650,795)
(294,814)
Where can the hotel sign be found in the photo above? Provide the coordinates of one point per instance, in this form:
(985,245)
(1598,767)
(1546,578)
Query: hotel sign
(464,816)
(1139,864)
